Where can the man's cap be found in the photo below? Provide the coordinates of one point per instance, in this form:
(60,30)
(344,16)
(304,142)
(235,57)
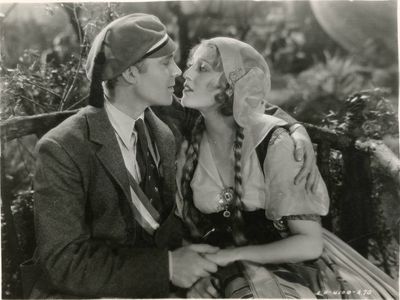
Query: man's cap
(125,41)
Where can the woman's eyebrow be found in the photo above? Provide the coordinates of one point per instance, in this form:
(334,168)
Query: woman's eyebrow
(205,60)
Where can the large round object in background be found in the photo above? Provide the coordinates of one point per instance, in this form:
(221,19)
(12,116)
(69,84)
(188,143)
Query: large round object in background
(354,24)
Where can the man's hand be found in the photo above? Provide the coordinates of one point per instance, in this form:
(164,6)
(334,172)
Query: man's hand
(304,151)
(204,288)
(223,257)
(189,265)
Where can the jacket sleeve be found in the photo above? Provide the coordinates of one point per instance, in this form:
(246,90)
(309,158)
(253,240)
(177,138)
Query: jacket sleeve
(71,259)
(279,113)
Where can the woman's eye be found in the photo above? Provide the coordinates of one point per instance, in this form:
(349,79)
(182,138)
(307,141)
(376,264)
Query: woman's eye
(202,68)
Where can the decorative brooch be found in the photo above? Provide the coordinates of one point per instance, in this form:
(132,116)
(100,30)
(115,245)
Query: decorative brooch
(225,198)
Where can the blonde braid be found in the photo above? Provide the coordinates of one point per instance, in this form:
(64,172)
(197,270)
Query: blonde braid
(237,207)
(190,213)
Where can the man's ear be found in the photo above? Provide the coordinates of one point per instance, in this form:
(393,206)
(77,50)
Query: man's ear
(130,75)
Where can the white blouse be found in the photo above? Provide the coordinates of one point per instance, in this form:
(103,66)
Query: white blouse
(275,192)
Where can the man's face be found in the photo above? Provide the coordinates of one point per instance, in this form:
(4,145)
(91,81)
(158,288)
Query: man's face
(155,83)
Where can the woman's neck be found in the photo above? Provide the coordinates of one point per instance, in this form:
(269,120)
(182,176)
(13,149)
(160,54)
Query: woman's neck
(219,128)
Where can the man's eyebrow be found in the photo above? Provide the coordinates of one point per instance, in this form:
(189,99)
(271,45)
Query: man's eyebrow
(169,56)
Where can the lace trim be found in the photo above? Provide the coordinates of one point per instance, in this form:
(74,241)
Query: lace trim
(276,134)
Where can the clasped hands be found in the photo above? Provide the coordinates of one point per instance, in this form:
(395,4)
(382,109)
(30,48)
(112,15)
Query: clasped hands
(192,266)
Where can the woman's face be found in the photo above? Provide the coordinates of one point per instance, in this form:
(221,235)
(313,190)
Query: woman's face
(201,80)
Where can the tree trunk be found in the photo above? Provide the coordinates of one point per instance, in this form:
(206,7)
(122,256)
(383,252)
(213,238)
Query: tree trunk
(384,156)
(355,205)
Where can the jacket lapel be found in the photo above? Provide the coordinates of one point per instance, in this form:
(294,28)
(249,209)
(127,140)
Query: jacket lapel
(165,143)
(109,153)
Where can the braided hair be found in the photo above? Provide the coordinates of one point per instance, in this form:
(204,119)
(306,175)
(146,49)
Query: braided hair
(237,206)
(191,215)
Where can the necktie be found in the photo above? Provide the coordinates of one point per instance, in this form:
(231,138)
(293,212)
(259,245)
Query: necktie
(141,149)
(150,182)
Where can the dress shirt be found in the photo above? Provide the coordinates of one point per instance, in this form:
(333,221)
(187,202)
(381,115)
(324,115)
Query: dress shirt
(124,127)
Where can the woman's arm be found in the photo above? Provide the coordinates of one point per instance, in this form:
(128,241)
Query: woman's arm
(304,243)
(284,198)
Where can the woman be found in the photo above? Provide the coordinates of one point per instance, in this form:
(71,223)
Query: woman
(237,192)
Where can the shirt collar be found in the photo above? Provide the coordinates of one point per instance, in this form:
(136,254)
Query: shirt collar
(122,123)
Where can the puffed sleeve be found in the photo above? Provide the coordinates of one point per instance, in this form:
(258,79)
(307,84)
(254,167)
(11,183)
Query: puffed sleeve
(283,197)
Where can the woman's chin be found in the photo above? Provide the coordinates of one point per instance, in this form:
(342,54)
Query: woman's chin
(186,102)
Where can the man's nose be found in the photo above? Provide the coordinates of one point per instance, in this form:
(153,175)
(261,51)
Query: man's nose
(176,71)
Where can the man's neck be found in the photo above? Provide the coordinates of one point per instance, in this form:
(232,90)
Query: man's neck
(126,103)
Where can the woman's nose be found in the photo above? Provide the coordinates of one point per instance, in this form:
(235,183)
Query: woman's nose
(186,74)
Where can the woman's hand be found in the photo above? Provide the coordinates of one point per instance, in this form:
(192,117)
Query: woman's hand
(223,257)
(304,151)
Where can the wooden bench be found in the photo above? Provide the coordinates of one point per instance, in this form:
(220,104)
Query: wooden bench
(352,199)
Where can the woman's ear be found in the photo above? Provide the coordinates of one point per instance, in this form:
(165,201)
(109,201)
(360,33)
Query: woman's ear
(130,75)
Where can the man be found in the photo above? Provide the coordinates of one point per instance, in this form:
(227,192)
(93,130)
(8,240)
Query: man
(105,178)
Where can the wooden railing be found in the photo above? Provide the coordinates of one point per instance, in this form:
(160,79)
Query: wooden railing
(353,202)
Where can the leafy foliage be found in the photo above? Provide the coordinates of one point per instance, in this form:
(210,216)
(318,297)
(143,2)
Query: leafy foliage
(35,87)
(340,94)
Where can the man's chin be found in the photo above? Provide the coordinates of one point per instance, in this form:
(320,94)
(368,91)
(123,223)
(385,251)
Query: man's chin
(166,101)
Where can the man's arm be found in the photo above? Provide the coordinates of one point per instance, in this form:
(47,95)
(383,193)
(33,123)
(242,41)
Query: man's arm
(303,147)
(73,261)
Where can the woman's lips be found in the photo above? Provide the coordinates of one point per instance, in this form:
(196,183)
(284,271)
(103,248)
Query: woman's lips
(187,88)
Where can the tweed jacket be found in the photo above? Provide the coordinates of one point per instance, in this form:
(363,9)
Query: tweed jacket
(88,243)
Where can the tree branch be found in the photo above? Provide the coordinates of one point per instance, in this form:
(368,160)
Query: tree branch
(70,9)
(78,102)
(43,88)
(385,157)
(33,102)
(82,38)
